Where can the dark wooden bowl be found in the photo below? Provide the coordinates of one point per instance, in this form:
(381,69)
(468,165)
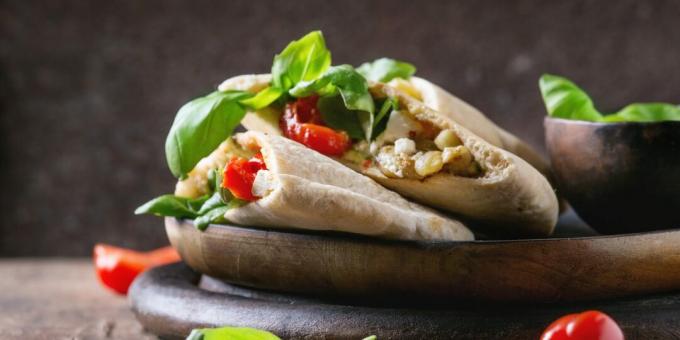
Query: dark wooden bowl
(406,272)
(619,177)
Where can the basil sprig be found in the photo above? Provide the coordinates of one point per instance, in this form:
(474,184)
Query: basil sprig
(354,91)
(564,99)
(303,68)
(386,69)
(238,333)
(231,333)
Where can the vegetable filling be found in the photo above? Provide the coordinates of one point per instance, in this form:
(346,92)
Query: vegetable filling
(414,149)
(301,121)
(239,175)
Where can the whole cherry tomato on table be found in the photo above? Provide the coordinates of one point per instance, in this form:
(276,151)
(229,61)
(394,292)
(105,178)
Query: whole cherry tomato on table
(589,325)
(117,267)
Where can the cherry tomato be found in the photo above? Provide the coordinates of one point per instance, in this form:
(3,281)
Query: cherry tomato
(239,175)
(117,267)
(322,139)
(589,325)
(301,121)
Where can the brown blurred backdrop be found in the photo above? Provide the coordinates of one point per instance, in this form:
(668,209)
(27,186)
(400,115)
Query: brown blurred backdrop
(88,89)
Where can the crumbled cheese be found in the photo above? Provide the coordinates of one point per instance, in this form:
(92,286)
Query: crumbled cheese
(264,183)
(389,163)
(405,146)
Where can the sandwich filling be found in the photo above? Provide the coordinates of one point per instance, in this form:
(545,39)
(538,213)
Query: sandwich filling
(406,148)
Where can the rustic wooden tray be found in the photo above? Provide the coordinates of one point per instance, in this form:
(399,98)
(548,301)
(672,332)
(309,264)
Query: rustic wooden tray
(171,300)
(406,272)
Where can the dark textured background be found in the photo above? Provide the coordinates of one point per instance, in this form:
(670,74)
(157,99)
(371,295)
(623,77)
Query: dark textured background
(88,89)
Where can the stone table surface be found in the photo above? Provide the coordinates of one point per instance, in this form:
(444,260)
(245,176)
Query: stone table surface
(61,299)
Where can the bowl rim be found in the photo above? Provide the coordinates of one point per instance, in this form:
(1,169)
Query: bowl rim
(413,243)
(549,119)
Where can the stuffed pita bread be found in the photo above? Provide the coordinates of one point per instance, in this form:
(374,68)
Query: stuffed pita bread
(302,189)
(431,158)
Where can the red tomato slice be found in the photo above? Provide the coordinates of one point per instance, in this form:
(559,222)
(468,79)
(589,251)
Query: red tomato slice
(239,175)
(322,139)
(117,267)
(301,121)
(589,325)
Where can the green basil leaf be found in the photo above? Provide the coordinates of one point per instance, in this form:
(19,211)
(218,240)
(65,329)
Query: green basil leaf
(263,98)
(370,337)
(213,202)
(338,117)
(301,60)
(352,87)
(172,206)
(645,112)
(199,127)
(380,123)
(231,333)
(385,69)
(563,99)
(214,215)
(387,106)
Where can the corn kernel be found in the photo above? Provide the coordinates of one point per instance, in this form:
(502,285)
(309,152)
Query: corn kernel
(429,163)
(447,138)
(458,158)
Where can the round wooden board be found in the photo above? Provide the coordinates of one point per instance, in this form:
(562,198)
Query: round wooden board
(168,302)
(407,272)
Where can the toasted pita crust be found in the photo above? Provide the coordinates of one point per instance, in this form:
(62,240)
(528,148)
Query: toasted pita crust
(512,198)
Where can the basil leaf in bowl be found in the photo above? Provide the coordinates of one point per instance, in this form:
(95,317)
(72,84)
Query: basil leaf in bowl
(564,99)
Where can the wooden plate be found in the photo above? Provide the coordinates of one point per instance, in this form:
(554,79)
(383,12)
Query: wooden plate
(367,269)
(171,300)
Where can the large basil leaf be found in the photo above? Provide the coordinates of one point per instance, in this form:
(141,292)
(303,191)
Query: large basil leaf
(231,333)
(199,127)
(172,206)
(301,60)
(352,87)
(386,69)
(563,99)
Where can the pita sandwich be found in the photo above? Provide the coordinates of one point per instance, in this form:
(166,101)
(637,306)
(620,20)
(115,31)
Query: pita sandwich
(302,189)
(438,161)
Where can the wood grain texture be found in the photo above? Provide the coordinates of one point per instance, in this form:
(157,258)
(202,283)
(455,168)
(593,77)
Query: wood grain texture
(61,299)
(169,303)
(549,270)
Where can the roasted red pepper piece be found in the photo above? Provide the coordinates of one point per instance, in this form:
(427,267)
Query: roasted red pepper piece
(301,121)
(117,267)
(239,175)
(589,325)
